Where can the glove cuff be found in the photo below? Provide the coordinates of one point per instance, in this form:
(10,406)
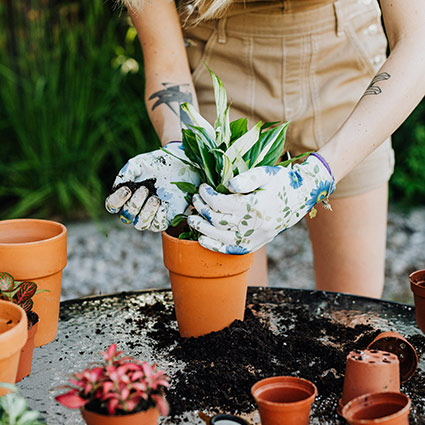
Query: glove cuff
(323,161)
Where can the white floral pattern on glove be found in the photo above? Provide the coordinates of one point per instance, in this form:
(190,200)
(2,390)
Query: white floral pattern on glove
(152,211)
(265,202)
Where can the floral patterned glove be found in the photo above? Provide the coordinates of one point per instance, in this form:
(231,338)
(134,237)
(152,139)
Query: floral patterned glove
(265,201)
(143,192)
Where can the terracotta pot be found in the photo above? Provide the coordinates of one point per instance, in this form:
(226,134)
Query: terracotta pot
(32,249)
(13,336)
(147,417)
(395,343)
(284,400)
(417,285)
(25,360)
(378,409)
(369,371)
(209,288)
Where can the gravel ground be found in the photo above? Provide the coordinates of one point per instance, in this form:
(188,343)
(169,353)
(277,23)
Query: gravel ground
(111,257)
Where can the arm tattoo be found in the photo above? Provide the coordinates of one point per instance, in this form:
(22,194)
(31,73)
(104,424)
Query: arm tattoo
(373,89)
(173,95)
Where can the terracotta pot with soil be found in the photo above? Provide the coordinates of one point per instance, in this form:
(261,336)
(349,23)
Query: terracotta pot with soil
(13,336)
(395,343)
(369,371)
(209,288)
(284,400)
(385,408)
(417,285)
(147,417)
(25,360)
(33,249)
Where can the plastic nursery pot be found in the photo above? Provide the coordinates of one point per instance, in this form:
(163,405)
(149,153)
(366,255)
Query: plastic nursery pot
(25,359)
(35,250)
(146,417)
(209,288)
(417,285)
(395,343)
(227,420)
(284,400)
(369,371)
(378,409)
(13,336)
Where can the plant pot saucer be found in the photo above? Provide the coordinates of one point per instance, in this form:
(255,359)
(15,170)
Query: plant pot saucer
(227,420)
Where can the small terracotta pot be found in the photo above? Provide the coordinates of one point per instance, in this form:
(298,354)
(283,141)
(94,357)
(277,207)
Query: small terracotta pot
(284,400)
(209,288)
(147,417)
(395,343)
(25,360)
(417,285)
(369,371)
(378,409)
(13,336)
(35,250)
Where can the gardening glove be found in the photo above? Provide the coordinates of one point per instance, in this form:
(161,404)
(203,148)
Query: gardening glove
(144,193)
(265,201)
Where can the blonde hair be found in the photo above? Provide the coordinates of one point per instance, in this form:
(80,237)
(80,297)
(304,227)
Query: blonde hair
(206,9)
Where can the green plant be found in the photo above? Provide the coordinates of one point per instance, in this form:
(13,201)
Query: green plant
(20,293)
(14,409)
(71,106)
(218,153)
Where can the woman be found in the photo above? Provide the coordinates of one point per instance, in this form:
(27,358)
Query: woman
(320,64)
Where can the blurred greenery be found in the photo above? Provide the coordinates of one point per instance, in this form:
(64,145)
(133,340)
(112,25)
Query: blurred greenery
(71,105)
(72,110)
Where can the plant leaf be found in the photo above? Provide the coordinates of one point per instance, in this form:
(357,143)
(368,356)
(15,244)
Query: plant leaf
(26,291)
(186,187)
(200,122)
(227,171)
(238,128)
(7,282)
(277,148)
(291,160)
(190,145)
(178,219)
(244,143)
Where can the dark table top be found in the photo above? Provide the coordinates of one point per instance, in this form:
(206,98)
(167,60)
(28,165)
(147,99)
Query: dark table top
(89,325)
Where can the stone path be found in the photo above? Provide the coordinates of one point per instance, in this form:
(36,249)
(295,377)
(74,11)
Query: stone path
(112,257)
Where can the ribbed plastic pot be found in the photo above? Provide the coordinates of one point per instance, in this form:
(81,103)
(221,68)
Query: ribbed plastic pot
(395,343)
(35,250)
(146,417)
(284,400)
(417,285)
(25,360)
(378,409)
(369,371)
(13,336)
(209,288)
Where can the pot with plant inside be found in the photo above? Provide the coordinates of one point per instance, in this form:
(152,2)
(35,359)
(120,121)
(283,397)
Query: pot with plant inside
(21,293)
(119,391)
(209,288)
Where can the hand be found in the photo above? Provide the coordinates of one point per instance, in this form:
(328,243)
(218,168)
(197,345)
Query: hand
(265,201)
(143,192)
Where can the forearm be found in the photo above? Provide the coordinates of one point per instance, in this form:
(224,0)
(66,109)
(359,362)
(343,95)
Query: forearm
(168,78)
(394,92)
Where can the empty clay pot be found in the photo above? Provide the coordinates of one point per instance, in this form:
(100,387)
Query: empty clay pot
(35,250)
(395,343)
(378,409)
(25,360)
(284,400)
(13,336)
(147,417)
(369,371)
(417,285)
(209,288)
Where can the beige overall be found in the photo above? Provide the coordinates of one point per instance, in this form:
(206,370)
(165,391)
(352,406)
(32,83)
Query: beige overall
(307,61)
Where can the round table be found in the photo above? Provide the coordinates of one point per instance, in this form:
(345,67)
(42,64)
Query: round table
(89,325)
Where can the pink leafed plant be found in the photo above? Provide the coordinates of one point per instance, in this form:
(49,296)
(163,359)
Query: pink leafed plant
(20,293)
(118,386)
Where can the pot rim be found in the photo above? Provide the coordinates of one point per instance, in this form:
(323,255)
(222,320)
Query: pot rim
(16,332)
(62,227)
(285,381)
(373,396)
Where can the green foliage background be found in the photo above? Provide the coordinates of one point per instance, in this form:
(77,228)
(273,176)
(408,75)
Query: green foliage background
(72,110)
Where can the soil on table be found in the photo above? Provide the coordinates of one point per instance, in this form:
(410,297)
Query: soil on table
(221,367)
